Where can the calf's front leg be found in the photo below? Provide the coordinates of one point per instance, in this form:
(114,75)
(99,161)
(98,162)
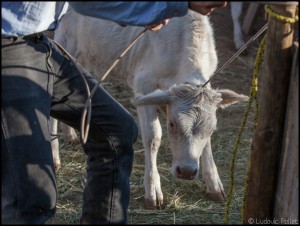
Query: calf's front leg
(215,190)
(151,135)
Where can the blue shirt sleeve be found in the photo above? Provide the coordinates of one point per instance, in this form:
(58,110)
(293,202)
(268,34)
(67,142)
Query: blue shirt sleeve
(24,18)
(132,13)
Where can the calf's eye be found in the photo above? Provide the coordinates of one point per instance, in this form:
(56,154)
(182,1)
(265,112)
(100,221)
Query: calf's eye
(172,127)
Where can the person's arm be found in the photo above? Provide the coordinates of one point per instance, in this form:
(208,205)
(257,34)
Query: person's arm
(132,13)
(153,15)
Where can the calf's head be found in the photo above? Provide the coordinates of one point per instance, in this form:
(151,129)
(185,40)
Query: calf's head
(191,120)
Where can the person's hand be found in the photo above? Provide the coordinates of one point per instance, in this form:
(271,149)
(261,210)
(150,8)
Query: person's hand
(157,27)
(205,8)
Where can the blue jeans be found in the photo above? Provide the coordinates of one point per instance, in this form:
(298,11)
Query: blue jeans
(39,81)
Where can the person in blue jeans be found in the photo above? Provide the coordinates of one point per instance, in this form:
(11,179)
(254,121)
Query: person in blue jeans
(39,81)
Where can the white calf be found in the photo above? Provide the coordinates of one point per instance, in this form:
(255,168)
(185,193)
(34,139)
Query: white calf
(165,69)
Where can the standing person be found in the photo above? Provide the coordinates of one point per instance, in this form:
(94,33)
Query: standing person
(39,81)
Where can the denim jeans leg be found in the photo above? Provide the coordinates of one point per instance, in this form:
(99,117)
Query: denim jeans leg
(28,178)
(109,147)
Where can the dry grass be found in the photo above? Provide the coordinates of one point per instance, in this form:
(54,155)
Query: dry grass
(184,201)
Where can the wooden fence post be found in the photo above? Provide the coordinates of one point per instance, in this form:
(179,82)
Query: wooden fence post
(286,209)
(268,136)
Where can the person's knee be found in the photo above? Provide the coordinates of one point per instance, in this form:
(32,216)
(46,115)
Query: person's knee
(117,134)
(131,129)
(129,133)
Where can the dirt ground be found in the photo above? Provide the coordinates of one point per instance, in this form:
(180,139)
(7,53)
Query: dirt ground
(185,202)
(237,75)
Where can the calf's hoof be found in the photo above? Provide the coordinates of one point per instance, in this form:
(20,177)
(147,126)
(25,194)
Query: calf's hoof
(56,166)
(152,204)
(216,196)
(72,140)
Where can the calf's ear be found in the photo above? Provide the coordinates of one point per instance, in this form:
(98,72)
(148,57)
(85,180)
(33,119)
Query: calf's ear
(158,98)
(230,97)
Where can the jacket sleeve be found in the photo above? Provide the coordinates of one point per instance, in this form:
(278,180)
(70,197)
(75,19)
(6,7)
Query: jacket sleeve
(132,13)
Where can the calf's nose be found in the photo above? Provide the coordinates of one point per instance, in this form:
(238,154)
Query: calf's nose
(187,173)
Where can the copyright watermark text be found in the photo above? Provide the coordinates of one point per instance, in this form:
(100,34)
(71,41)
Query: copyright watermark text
(273,221)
